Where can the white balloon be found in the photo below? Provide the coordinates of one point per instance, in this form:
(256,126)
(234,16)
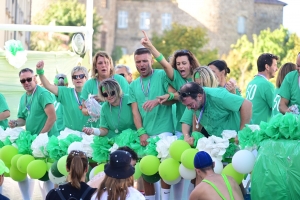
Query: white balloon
(173,182)
(75,146)
(56,180)
(187,173)
(91,175)
(243,161)
(218,166)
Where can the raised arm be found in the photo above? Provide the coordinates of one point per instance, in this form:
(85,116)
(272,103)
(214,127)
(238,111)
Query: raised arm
(145,41)
(40,71)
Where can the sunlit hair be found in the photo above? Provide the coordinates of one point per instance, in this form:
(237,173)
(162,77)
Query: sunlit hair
(110,85)
(283,71)
(207,77)
(116,188)
(80,68)
(192,59)
(104,55)
(25,70)
(77,164)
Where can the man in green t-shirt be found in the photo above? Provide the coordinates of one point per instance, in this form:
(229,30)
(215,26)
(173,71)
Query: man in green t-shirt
(260,91)
(289,90)
(216,109)
(4,112)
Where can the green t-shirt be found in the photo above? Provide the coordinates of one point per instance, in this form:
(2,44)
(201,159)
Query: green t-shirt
(187,117)
(276,101)
(261,94)
(73,117)
(177,82)
(36,117)
(110,117)
(91,87)
(221,111)
(59,116)
(159,119)
(289,88)
(3,107)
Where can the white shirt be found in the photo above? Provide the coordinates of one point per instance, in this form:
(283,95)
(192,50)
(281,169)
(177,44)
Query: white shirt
(133,194)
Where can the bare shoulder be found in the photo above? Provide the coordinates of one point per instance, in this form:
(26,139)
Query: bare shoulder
(236,189)
(198,192)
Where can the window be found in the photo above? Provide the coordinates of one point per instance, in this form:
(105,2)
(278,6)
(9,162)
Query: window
(166,21)
(145,21)
(122,19)
(241,28)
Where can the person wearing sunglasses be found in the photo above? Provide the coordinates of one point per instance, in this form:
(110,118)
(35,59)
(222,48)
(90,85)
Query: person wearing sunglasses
(69,98)
(37,113)
(102,69)
(4,112)
(260,91)
(215,108)
(116,114)
(289,90)
(124,71)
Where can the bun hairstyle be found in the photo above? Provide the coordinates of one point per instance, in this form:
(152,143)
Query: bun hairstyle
(77,165)
(221,65)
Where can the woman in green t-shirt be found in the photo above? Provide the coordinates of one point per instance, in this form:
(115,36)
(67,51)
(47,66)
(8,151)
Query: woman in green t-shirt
(116,115)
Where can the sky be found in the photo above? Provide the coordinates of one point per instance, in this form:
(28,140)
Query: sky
(291,16)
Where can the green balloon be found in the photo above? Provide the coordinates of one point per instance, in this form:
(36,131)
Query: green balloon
(45,177)
(187,158)
(23,162)
(49,164)
(149,165)
(177,148)
(14,160)
(169,169)
(62,165)
(55,171)
(137,173)
(7,174)
(37,169)
(7,153)
(151,179)
(230,171)
(99,168)
(16,175)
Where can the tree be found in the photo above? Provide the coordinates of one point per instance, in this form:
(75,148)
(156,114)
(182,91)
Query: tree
(61,13)
(243,55)
(178,37)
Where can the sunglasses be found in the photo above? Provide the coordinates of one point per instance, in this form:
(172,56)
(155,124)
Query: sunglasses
(26,79)
(185,94)
(112,93)
(122,74)
(182,51)
(80,76)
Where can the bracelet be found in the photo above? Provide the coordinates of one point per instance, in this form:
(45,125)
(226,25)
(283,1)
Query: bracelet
(171,97)
(141,131)
(40,71)
(159,58)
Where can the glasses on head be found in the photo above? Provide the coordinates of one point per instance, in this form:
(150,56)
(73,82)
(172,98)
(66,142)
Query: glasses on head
(26,79)
(80,76)
(185,94)
(112,93)
(182,51)
(122,74)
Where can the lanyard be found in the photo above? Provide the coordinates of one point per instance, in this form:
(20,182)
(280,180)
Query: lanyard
(148,86)
(120,108)
(77,99)
(201,113)
(261,76)
(28,105)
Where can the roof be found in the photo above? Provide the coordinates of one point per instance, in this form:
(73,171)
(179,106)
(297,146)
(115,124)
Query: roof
(276,2)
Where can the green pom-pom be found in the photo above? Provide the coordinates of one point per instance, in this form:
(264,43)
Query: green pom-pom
(100,148)
(24,142)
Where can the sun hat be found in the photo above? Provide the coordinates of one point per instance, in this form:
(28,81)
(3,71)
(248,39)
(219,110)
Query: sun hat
(3,168)
(202,160)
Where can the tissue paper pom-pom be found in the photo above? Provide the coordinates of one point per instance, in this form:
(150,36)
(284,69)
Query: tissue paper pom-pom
(125,138)
(196,135)
(289,126)
(230,151)
(7,141)
(38,146)
(86,142)
(163,145)
(65,143)
(66,132)
(24,142)
(272,129)
(114,148)
(101,148)
(151,147)
(245,137)
(228,134)
(53,148)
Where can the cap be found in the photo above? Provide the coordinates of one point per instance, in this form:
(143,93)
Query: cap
(202,160)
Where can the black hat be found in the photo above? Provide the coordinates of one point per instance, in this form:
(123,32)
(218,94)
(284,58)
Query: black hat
(119,166)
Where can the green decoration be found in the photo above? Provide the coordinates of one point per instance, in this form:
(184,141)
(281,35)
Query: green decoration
(99,168)
(23,162)
(151,179)
(169,169)
(149,165)
(230,171)
(14,160)
(187,158)
(7,153)
(45,177)
(24,142)
(61,165)
(137,173)
(16,175)
(100,148)
(177,148)
(54,170)
(37,169)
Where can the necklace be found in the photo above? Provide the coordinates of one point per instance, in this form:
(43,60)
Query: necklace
(28,105)
(77,99)
(120,108)
(146,93)
(200,115)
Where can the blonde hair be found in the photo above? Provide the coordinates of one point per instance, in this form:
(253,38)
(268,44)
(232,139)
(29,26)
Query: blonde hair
(110,85)
(80,68)
(104,55)
(116,188)
(207,77)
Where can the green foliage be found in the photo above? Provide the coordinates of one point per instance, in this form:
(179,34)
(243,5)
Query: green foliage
(61,13)
(243,55)
(117,54)
(184,37)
